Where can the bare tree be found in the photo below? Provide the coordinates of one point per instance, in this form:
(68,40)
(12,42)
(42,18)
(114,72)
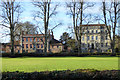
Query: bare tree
(27,27)
(76,9)
(46,11)
(111,18)
(10,16)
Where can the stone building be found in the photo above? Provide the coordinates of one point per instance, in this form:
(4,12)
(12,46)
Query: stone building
(95,38)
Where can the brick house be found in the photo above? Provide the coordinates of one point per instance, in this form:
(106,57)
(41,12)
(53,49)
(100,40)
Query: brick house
(6,47)
(35,43)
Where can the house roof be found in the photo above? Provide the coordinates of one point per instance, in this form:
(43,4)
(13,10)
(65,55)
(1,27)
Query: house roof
(16,43)
(93,25)
(34,35)
(54,41)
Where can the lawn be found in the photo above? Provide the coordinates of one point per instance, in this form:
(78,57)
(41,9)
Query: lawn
(31,64)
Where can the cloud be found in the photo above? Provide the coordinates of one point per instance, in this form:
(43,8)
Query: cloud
(3,32)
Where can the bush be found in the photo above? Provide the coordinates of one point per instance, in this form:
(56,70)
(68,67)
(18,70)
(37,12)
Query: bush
(61,54)
(78,74)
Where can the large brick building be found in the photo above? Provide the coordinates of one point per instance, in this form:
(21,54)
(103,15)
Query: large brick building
(34,43)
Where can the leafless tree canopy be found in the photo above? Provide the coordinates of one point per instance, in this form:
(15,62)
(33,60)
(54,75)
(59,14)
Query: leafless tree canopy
(76,10)
(25,27)
(44,13)
(111,15)
(11,11)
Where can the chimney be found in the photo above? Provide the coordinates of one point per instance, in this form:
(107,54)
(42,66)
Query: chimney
(52,35)
(49,32)
(22,32)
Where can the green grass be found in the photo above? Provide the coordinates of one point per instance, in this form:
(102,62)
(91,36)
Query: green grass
(31,64)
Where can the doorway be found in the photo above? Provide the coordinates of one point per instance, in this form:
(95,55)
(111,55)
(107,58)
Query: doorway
(92,46)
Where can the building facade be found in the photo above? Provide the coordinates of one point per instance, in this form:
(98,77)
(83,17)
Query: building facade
(34,43)
(95,38)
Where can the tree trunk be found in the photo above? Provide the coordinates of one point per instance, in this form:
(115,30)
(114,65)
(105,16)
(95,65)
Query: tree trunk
(45,41)
(80,45)
(113,44)
(112,47)
(45,26)
(81,19)
(12,40)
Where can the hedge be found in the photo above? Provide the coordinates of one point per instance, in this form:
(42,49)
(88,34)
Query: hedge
(79,74)
(62,54)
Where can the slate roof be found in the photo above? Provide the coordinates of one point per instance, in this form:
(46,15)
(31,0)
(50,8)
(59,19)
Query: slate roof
(54,41)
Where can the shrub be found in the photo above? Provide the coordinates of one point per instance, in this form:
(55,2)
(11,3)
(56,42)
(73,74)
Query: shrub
(78,74)
(61,54)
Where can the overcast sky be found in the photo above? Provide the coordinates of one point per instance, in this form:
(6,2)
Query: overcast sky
(29,9)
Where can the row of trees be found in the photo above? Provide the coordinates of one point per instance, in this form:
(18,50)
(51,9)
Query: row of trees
(110,18)
(11,11)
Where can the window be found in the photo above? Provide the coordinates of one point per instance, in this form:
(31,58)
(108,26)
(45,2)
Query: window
(96,31)
(96,44)
(41,40)
(88,45)
(37,39)
(37,45)
(106,31)
(30,45)
(102,31)
(52,46)
(30,39)
(22,39)
(26,45)
(23,51)
(96,37)
(101,44)
(88,31)
(34,39)
(26,39)
(92,31)
(88,38)
(101,27)
(18,51)
(92,37)
(34,46)
(83,38)
(22,45)
(102,38)
(83,44)
(106,44)
(106,37)
(41,45)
